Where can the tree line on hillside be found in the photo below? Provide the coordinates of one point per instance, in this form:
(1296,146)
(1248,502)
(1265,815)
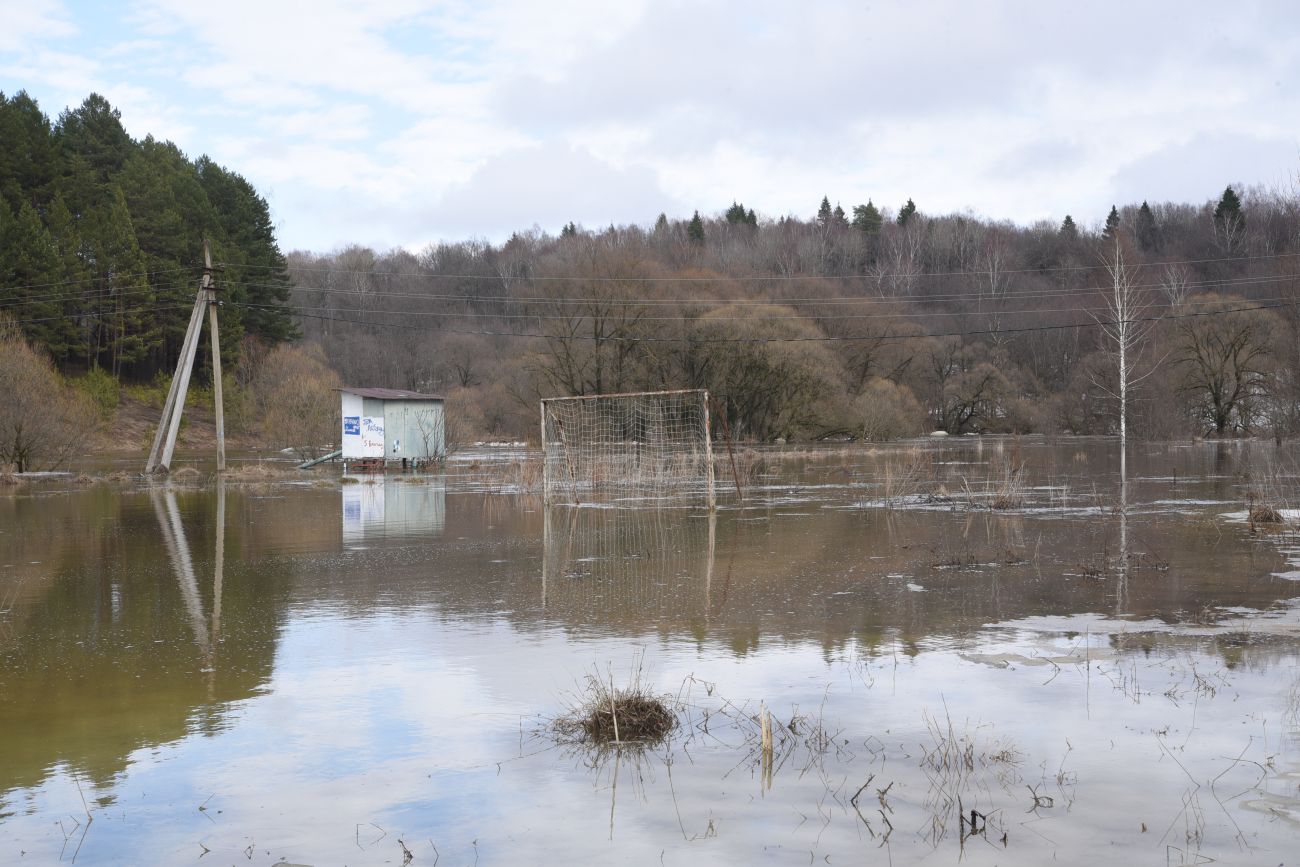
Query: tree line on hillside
(857,323)
(101,240)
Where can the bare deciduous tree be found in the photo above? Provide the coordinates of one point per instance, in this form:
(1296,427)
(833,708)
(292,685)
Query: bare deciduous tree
(43,423)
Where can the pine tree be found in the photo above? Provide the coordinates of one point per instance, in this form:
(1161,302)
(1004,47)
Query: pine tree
(1148,233)
(1069,231)
(125,323)
(29,265)
(695,230)
(838,216)
(661,224)
(866,218)
(824,212)
(906,213)
(1112,224)
(752,219)
(1228,211)
(569,230)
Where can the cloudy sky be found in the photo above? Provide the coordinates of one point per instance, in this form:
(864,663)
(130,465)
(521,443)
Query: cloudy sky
(399,122)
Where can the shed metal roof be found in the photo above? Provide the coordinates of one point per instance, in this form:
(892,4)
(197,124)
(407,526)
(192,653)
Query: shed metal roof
(391,394)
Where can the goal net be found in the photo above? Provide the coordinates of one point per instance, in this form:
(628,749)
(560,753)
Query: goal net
(652,444)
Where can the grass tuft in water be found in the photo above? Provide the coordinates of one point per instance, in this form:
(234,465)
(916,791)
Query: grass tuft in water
(605,714)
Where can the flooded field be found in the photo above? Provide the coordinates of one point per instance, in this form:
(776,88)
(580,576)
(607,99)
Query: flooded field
(966,650)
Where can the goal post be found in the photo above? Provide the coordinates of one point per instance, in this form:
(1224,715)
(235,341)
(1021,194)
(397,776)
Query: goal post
(649,443)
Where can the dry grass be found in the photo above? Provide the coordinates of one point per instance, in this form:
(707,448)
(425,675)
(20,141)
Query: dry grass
(606,715)
(261,471)
(1265,514)
(11,480)
(903,475)
(1010,491)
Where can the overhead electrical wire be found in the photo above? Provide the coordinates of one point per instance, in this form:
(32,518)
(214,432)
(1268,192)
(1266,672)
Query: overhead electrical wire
(808,339)
(768,278)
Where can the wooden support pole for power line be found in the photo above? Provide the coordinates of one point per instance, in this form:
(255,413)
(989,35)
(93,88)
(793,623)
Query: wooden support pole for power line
(215,337)
(164,441)
(169,406)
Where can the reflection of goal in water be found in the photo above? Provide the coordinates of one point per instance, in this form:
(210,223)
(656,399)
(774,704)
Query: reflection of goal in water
(652,444)
(634,566)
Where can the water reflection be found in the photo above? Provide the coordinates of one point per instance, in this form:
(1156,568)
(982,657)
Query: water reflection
(601,563)
(254,645)
(114,647)
(377,508)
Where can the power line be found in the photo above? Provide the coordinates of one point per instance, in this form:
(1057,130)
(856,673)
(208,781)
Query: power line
(768,278)
(978,294)
(792,317)
(810,339)
(100,314)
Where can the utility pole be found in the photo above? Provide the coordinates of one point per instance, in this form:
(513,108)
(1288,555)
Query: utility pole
(164,439)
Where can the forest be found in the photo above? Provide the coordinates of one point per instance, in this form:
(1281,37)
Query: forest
(854,321)
(863,323)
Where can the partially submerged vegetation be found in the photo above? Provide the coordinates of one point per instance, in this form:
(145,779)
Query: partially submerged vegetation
(606,715)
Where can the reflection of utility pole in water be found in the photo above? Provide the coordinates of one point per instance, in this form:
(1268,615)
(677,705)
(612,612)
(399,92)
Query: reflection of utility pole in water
(206,635)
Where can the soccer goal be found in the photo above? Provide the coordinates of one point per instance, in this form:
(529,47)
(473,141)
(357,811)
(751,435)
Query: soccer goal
(652,444)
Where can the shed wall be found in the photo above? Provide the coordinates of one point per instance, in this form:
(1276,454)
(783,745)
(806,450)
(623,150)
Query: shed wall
(414,429)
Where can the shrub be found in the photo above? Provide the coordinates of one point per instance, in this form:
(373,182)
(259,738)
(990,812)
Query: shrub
(43,422)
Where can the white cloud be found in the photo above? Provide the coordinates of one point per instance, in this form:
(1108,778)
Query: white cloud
(405,119)
(28,20)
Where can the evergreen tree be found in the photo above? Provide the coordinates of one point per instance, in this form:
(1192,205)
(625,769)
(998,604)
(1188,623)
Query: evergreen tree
(695,230)
(736,215)
(256,272)
(1148,233)
(1228,212)
(838,216)
(1112,224)
(866,218)
(29,271)
(1069,231)
(123,323)
(661,224)
(824,214)
(907,212)
(569,230)
(28,159)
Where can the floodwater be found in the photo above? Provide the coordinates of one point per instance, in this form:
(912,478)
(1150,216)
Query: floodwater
(367,673)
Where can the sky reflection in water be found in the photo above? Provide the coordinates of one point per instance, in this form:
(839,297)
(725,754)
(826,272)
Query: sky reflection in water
(378,663)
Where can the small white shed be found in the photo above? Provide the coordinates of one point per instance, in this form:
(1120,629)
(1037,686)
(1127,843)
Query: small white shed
(391,424)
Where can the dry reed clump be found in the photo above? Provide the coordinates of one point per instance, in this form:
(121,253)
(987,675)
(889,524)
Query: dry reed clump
(1010,492)
(121,476)
(185,473)
(84,479)
(11,480)
(903,476)
(259,471)
(1264,514)
(607,715)
(526,473)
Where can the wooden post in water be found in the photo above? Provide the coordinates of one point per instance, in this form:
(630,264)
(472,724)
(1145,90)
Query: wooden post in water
(164,439)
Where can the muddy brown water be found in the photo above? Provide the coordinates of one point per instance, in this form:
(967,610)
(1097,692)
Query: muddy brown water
(326,673)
